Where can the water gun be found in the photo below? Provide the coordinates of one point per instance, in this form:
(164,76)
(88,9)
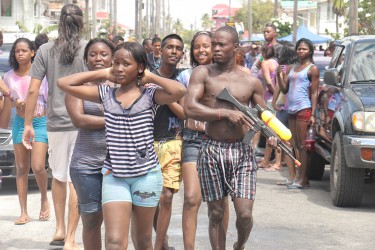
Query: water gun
(280,132)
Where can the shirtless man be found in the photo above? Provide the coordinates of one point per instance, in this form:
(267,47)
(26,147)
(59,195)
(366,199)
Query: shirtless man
(222,153)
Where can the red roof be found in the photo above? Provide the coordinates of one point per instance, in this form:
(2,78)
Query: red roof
(102,15)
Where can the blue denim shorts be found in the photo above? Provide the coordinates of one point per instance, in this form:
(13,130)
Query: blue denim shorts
(39,125)
(192,141)
(88,186)
(143,191)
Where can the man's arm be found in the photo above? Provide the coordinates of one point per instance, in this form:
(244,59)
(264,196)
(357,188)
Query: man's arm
(195,92)
(178,110)
(258,96)
(31,99)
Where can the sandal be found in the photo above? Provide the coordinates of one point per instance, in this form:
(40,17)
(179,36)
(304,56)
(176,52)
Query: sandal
(285,182)
(22,221)
(271,169)
(296,185)
(44,216)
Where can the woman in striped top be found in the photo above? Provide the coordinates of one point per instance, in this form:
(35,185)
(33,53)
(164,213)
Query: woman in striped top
(132,180)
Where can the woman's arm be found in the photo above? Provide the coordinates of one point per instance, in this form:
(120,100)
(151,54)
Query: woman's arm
(73,84)
(5,112)
(276,94)
(3,87)
(314,76)
(74,106)
(282,78)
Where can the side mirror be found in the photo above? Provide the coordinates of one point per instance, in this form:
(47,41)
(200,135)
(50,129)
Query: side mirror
(331,77)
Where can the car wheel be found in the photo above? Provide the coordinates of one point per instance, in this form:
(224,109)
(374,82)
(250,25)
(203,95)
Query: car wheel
(346,183)
(317,165)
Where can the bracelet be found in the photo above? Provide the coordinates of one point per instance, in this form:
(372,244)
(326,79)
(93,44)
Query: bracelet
(6,95)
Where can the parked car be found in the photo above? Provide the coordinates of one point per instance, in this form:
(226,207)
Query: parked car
(346,120)
(322,63)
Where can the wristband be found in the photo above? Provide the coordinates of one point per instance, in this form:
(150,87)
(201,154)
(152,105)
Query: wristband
(6,95)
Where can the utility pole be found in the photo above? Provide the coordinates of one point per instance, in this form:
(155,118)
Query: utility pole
(136,21)
(87,22)
(93,9)
(115,17)
(250,19)
(229,10)
(353,17)
(275,7)
(157,18)
(295,21)
(147,19)
(140,8)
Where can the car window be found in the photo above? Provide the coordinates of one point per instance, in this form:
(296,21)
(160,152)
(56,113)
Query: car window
(4,64)
(363,65)
(336,55)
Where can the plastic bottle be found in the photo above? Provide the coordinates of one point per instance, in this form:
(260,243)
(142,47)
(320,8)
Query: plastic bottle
(274,123)
(310,139)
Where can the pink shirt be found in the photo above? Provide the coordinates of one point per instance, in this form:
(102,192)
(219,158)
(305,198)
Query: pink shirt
(19,86)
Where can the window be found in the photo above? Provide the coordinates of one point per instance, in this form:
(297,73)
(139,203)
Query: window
(363,65)
(6,8)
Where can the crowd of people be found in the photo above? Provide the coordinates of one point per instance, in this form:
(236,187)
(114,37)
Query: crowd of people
(124,127)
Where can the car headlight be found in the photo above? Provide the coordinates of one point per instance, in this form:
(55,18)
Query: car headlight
(364,121)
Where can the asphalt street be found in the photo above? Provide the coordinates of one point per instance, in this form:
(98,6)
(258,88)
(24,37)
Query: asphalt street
(283,219)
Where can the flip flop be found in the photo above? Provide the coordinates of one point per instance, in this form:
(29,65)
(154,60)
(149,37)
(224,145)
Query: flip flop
(296,185)
(271,169)
(44,216)
(22,221)
(285,182)
(57,242)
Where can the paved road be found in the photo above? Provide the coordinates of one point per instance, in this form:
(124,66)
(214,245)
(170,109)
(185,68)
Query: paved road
(283,220)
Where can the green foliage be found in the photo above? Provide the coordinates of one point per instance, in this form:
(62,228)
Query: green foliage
(50,28)
(206,22)
(284,28)
(262,13)
(21,26)
(366,17)
(335,36)
(178,27)
(38,29)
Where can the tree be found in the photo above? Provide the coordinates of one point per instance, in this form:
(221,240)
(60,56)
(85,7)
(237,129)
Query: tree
(338,8)
(366,18)
(178,26)
(262,13)
(206,22)
(283,26)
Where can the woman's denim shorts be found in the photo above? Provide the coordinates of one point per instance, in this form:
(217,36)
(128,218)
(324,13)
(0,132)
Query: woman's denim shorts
(192,141)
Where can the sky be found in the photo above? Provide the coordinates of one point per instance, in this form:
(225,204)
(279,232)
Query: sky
(188,11)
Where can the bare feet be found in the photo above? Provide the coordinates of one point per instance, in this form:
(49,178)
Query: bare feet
(275,166)
(74,247)
(271,169)
(235,247)
(264,164)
